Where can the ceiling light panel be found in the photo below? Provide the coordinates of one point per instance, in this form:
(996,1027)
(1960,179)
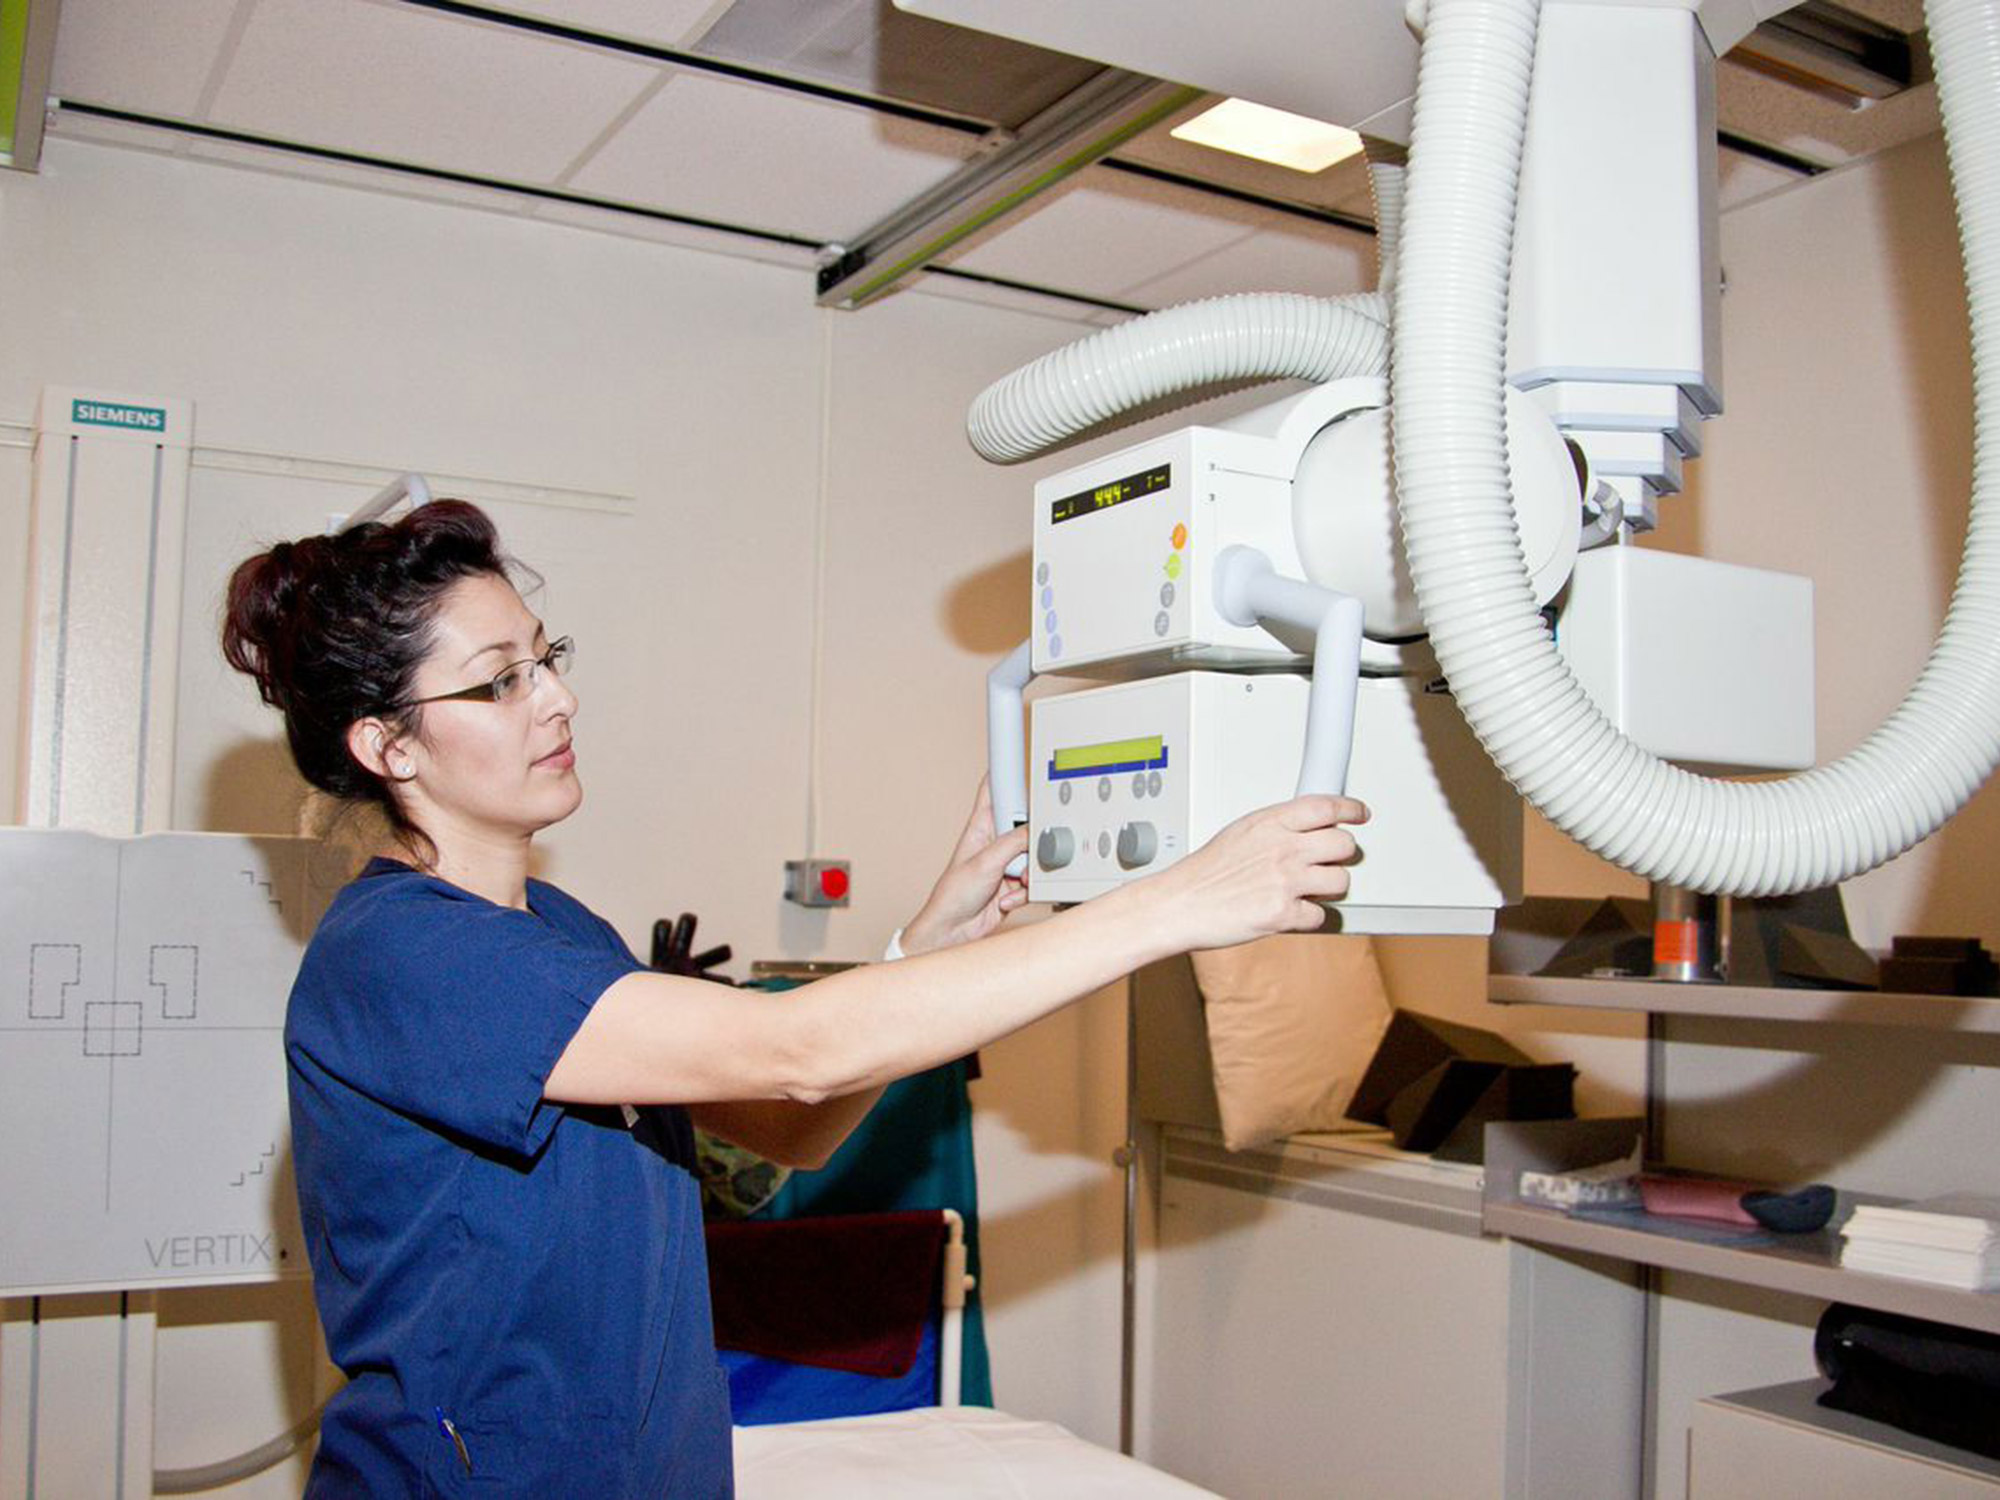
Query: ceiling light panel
(418,86)
(1273,135)
(760,157)
(150,59)
(1342,188)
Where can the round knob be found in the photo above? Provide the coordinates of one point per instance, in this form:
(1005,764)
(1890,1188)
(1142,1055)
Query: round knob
(1138,843)
(1055,848)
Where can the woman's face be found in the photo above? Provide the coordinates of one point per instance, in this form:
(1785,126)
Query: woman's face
(482,768)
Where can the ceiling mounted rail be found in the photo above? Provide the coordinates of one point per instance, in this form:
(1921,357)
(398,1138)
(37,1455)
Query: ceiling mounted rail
(27,52)
(1829,50)
(1081,128)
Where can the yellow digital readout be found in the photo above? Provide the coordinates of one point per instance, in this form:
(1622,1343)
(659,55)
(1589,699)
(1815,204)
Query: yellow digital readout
(1104,496)
(1113,753)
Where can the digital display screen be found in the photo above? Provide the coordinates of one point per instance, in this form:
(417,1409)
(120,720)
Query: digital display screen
(1132,487)
(1145,754)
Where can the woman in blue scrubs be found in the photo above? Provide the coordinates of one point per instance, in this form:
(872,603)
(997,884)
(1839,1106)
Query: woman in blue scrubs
(493,1100)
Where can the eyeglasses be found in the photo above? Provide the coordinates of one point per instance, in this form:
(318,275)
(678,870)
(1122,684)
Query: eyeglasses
(516,682)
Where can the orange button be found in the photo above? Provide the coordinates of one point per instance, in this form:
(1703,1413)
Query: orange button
(1180,537)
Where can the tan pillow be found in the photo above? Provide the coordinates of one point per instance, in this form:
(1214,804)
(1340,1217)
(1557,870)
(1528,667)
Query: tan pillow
(1292,1022)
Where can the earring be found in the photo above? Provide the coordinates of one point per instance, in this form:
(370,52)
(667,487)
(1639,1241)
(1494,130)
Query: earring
(405,771)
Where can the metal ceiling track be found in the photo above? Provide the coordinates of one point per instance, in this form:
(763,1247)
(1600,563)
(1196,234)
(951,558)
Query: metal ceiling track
(27,52)
(1831,51)
(1083,127)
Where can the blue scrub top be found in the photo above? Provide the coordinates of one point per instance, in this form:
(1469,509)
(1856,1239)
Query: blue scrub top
(525,1274)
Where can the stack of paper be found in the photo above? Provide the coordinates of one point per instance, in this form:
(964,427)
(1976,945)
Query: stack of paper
(1952,1241)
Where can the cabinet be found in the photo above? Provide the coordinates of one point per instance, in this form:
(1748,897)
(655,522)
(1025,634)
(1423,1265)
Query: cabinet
(1325,1316)
(1779,1444)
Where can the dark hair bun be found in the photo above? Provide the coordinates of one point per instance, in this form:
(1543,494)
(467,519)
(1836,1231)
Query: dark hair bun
(333,627)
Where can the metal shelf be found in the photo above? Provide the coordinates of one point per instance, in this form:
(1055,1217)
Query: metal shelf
(1973,1015)
(1808,1264)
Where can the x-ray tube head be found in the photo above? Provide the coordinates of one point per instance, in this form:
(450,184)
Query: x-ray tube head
(1344,512)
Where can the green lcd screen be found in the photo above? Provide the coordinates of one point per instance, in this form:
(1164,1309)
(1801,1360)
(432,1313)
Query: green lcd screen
(1112,755)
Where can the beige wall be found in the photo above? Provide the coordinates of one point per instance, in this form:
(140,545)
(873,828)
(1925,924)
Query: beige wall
(742,423)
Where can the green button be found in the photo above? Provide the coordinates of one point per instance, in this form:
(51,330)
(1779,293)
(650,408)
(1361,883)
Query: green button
(1174,566)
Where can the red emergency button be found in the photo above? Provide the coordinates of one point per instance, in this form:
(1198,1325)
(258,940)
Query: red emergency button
(816,882)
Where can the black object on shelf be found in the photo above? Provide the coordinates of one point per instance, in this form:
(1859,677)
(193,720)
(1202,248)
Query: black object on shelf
(1940,966)
(1932,1379)
(1805,1210)
(1435,1084)
(1796,942)
(1566,938)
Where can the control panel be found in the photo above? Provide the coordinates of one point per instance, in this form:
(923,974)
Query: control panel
(1127,778)
(1121,545)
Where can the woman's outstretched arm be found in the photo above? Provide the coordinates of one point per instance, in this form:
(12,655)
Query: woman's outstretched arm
(971,898)
(657,1038)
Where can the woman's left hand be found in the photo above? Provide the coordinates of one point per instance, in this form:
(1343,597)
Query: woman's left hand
(975,893)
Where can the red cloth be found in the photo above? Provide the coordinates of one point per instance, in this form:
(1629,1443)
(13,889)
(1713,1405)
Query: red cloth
(1697,1198)
(845,1292)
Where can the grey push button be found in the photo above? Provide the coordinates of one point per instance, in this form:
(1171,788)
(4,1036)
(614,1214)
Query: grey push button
(1055,848)
(1138,843)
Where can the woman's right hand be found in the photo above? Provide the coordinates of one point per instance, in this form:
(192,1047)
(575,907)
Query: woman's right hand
(1265,873)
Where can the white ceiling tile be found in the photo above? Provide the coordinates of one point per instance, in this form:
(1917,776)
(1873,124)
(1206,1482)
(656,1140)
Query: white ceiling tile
(151,59)
(344,174)
(1012,299)
(754,155)
(686,236)
(71,126)
(1104,234)
(664,23)
(1281,256)
(1819,129)
(419,86)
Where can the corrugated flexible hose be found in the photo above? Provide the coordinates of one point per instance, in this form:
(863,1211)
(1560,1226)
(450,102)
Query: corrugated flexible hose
(1670,825)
